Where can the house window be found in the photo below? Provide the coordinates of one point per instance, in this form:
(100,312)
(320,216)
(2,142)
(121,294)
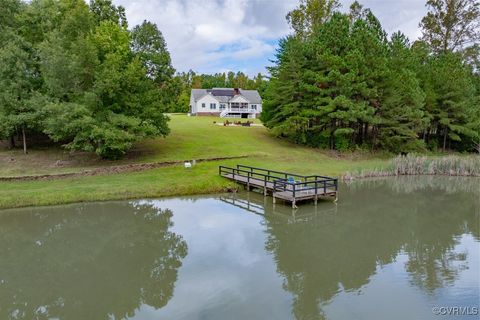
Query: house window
(203,105)
(213,106)
(254,107)
(222,106)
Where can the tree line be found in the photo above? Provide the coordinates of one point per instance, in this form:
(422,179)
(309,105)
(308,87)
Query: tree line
(340,82)
(78,75)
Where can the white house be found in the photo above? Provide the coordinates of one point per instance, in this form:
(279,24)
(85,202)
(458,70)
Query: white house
(226,103)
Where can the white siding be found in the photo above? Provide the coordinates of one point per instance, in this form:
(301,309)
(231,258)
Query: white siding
(259,106)
(208,99)
(193,106)
(196,106)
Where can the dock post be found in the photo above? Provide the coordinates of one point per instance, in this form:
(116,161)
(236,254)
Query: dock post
(316,199)
(264,191)
(274,201)
(293,204)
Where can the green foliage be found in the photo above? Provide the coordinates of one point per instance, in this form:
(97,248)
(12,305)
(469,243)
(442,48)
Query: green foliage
(149,45)
(19,109)
(105,10)
(85,80)
(343,83)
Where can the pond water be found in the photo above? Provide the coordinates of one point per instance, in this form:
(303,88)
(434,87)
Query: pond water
(405,248)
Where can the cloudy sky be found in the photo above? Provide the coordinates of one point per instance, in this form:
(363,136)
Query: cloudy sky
(211,36)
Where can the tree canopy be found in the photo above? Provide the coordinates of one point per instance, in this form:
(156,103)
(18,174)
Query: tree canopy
(340,82)
(74,72)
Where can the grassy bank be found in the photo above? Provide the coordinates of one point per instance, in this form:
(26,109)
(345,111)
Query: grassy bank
(191,138)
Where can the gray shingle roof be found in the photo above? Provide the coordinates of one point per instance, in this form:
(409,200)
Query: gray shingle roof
(251,95)
(225,94)
(198,93)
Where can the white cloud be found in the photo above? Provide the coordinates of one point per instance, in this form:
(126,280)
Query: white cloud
(215,35)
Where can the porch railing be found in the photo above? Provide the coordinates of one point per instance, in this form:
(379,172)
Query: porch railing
(234,109)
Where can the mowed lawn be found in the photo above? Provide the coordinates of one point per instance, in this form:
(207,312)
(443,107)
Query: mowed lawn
(190,138)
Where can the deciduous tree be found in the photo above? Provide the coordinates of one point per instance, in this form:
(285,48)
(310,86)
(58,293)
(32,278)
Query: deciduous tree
(451,25)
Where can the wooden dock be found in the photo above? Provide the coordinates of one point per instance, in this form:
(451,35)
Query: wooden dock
(283,185)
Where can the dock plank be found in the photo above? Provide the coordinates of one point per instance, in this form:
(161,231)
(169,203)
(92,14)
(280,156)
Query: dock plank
(280,188)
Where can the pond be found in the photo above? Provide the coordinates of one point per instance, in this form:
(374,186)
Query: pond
(397,248)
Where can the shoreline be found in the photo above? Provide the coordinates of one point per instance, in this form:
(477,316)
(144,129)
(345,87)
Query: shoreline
(225,186)
(158,170)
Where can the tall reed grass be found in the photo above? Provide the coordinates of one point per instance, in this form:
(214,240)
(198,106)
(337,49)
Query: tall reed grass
(467,166)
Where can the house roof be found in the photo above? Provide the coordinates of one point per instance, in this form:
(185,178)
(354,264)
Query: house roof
(226,94)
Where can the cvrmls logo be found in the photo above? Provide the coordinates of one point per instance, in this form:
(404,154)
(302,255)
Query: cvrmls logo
(455,311)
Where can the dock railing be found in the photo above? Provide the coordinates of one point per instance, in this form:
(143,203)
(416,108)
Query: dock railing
(248,175)
(293,184)
(315,185)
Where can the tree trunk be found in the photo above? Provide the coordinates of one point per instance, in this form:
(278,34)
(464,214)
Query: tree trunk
(360,133)
(332,135)
(365,133)
(374,136)
(12,141)
(24,141)
(445,139)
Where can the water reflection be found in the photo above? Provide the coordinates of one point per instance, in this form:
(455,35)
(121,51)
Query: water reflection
(390,249)
(409,184)
(323,251)
(92,261)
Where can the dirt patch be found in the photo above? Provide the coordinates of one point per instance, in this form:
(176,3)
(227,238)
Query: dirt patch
(114,169)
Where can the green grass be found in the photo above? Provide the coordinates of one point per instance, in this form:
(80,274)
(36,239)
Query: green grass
(191,138)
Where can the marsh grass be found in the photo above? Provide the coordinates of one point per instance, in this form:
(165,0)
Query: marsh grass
(452,165)
(411,184)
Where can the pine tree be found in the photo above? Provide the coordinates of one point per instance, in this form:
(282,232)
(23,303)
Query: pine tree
(402,110)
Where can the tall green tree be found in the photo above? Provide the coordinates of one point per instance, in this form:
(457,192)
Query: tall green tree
(74,72)
(19,111)
(150,46)
(402,115)
(122,106)
(340,83)
(284,95)
(453,93)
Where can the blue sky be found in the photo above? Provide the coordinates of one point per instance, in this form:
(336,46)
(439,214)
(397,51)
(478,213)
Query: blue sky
(211,36)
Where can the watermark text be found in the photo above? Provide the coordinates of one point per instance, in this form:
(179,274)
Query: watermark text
(455,311)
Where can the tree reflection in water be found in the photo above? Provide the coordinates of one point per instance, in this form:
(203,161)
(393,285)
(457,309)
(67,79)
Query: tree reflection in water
(320,256)
(90,261)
